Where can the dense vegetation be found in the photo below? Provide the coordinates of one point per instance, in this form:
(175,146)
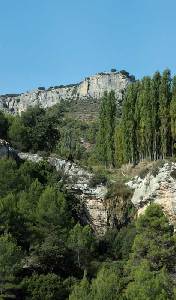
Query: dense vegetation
(147,127)
(47,252)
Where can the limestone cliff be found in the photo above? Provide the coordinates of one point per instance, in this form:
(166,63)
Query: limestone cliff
(91,88)
(158,187)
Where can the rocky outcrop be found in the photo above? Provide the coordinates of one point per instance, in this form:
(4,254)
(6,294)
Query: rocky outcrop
(158,187)
(6,151)
(91,88)
(77,182)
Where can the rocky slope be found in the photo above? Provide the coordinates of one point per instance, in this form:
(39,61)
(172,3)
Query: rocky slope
(158,187)
(91,88)
(77,182)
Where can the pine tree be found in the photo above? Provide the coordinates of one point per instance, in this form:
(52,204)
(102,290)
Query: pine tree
(81,291)
(149,285)
(10,263)
(152,258)
(154,241)
(81,241)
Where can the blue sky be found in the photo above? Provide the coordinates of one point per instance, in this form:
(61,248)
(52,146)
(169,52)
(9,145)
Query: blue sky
(51,42)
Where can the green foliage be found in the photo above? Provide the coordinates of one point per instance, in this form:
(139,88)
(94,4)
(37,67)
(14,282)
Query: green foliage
(148,285)
(107,123)
(10,256)
(173,114)
(45,287)
(9,181)
(106,286)
(43,253)
(76,139)
(81,241)
(119,145)
(164,109)
(34,130)
(154,241)
(44,249)
(10,261)
(52,209)
(98,179)
(3,126)
(81,291)
(119,206)
(146,129)
(13,221)
(129,124)
(119,242)
(19,135)
(69,146)
(152,258)
(144,118)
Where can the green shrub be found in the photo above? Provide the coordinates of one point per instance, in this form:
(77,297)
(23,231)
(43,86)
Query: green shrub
(98,179)
(156,167)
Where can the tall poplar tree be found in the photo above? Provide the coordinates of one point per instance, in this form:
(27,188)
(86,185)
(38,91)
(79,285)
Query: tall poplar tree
(119,145)
(173,114)
(164,113)
(155,86)
(111,123)
(129,123)
(107,122)
(144,119)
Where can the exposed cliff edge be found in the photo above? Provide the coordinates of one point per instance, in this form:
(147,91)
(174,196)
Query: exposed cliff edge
(91,88)
(158,187)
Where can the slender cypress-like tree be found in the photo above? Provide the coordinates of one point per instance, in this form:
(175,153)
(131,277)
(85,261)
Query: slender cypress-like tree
(164,113)
(129,123)
(107,122)
(111,123)
(173,114)
(155,86)
(144,119)
(101,144)
(119,145)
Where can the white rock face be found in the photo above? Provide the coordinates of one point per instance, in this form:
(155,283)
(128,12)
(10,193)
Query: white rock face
(92,87)
(160,189)
(78,183)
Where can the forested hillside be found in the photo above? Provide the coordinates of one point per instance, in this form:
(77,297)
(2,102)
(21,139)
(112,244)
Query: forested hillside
(47,251)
